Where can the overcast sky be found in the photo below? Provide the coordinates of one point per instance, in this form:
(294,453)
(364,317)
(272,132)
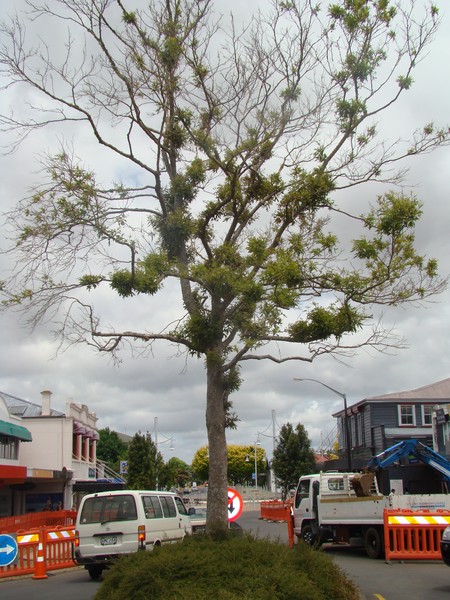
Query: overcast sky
(129,397)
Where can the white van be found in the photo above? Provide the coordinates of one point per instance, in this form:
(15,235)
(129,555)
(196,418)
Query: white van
(110,524)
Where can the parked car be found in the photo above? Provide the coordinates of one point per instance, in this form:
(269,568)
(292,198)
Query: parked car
(445,546)
(198,521)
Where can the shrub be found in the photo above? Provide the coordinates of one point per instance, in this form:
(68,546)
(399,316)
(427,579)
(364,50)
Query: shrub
(237,568)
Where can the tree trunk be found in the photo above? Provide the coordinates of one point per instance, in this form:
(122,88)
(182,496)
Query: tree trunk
(217,516)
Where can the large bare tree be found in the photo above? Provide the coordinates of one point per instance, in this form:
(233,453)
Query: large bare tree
(235,141)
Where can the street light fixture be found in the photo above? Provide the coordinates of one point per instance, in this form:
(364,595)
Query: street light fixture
(347,431)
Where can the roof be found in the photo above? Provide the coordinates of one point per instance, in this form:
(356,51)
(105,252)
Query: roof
(439,391)
(22,408)
(434,393)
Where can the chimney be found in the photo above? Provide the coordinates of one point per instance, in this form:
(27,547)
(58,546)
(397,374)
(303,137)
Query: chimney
(46,398)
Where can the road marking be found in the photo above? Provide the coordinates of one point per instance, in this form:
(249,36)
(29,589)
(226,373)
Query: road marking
(379,597)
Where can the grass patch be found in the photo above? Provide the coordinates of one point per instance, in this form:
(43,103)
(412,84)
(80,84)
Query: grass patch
(237,568)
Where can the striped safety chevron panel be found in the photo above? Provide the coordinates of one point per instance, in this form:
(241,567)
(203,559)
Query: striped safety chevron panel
(28,538)
(419,520)
(61,535)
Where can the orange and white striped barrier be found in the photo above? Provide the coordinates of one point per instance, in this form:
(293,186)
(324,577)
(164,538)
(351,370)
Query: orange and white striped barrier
(414,535)
(61,535)
(42,550)
(28,538)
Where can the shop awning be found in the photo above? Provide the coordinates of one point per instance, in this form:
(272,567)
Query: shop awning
(80,429)
(16,431)
(11,472)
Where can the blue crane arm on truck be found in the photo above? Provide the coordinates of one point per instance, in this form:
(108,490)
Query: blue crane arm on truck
(362,482)
(408,448)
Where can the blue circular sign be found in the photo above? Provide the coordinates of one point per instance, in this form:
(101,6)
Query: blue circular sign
(8,550)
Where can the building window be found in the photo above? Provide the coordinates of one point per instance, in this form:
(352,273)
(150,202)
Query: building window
(359,430)
(407,415)
(9,447)
(427,415)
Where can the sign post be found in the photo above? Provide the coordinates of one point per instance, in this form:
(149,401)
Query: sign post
(235,504)
(8,549)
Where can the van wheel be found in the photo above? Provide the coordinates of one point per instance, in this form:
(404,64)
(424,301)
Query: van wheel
(309,537)
(373,543)
(95,572)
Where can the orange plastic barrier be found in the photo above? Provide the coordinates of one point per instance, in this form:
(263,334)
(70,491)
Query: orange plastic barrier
(414,535)
(45,518)
(275,510)
(41,550)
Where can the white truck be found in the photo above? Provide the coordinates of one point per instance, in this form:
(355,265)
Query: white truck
(341,507)
(348,507)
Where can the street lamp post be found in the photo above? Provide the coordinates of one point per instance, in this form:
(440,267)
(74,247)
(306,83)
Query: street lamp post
(256,470)
(156,446)
(347,430)
(257,443)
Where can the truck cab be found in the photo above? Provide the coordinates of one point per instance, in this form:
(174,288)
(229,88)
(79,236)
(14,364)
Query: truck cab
(327,486)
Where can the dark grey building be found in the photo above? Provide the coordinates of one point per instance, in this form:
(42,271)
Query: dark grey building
(377,423)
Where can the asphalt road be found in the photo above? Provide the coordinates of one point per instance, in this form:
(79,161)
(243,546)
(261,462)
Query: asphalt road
(425,580)
(377,580)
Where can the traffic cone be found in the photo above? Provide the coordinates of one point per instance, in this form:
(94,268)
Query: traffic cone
(40,571)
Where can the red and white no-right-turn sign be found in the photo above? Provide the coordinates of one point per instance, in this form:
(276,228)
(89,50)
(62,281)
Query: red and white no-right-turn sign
(235,504)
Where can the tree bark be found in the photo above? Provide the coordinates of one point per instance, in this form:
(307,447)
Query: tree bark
(217,517)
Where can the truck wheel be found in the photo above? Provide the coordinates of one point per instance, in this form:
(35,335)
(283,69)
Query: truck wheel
(309,537)
(95,572)
(373,543)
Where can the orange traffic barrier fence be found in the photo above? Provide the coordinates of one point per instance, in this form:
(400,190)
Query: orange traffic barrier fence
(414,535)
(46,518)
(41,550)
(275,510)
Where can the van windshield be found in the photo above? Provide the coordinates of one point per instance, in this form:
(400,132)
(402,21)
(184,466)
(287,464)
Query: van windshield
(102,509)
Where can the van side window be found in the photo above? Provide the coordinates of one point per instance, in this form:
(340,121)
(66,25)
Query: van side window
(152,507)
(182,510)
(168,506)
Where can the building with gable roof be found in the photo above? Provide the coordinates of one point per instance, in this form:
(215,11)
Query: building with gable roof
(377,423)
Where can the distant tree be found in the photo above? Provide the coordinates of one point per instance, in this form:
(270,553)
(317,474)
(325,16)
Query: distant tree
(174,473)
(293,456)
(231,142)
(200,464)
(110,448)
(144,463)
(241,463)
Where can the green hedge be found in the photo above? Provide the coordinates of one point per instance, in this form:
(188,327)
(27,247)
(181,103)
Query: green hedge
(238,568)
